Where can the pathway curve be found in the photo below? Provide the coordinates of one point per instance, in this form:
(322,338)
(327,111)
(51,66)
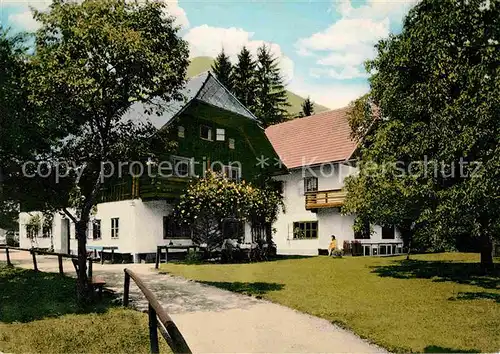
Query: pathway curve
(218,321)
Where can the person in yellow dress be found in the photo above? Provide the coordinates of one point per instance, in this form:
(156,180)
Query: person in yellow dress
(333,245)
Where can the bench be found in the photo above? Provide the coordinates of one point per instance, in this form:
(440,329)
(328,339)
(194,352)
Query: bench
(97,282)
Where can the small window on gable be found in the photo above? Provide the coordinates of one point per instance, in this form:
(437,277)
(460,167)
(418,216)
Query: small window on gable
(231,143)
(205,132)
(180,132)
(232,173)
(311,184)
(221,134)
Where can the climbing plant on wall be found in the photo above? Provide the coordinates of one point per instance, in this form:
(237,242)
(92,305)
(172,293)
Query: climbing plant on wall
(213,200)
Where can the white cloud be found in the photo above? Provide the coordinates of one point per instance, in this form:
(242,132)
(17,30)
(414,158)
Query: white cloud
(374,9)
(208,41)
(24,19)
(336,94)
(346,33)
(178,12)
(354,57)
(346,44)
(345,73)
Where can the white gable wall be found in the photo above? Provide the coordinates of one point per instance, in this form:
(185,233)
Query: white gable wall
(330,220)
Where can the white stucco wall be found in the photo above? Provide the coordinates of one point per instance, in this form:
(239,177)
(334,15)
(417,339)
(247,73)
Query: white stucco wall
(330,221)
(140,228)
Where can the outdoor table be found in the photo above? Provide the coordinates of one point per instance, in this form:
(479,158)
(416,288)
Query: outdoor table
(170,247)
(102,249)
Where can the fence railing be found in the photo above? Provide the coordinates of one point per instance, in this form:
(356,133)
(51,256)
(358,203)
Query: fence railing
(34,252)
(158,318)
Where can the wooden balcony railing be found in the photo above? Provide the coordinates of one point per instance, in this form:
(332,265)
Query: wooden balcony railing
(325,199)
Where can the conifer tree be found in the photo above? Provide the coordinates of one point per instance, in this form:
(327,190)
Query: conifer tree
(307,108)
(272,99)
(244,82)
(223,70)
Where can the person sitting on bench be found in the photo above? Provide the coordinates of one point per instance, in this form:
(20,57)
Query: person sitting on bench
(333,245)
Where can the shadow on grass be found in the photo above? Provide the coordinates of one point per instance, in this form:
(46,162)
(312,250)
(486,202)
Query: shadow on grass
(437,349)
(440,271)
(26,295)
(482,295)
(255,289)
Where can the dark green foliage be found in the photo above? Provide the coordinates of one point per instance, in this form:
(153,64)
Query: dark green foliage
(83,77)
(223,70)
(436,85)
(307,108)
(271,97)
(244,81)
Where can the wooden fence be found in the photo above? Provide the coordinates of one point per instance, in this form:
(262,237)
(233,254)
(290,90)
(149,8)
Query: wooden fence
(34,252)
(158,318)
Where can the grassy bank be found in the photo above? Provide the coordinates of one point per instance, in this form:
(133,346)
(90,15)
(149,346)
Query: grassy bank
(39,314)
(432,303)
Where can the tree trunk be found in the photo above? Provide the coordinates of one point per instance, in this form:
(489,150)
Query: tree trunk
(84,290)
(486,252)
(407,235)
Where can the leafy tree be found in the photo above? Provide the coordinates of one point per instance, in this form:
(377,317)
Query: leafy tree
(223,70)
(210,201)
(20,135)
(244,83)
(271,97)
(84,76)
(437,92)
(307,108)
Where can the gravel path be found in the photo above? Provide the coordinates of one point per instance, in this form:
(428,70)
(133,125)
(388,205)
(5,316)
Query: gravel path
(218,321)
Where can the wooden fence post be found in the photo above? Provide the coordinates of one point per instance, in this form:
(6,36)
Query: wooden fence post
(35,266)
(126,288)
(158,250)
(60,260)
(153,331)
(9,263)
(90,269)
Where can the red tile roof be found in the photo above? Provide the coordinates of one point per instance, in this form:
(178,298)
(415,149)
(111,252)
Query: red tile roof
(324,137)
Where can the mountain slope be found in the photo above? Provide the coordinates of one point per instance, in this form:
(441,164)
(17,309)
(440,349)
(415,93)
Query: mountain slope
(201,64)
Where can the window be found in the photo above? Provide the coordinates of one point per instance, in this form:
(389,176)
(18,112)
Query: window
(96,230)
(205,132)
(231,143)
(310,184)
(173,229)
(232,173)
(305,230)
(31,231)
(220,135)
(180,131)
(182,166)
(388,233)
(115,226)
(363,234)
(259,232)
(233,229)
(47,231)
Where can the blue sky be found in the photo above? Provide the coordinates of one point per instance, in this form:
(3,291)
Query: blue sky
(321,44)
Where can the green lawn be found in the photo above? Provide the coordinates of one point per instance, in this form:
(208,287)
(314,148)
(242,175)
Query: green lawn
(432,303)
(38,313)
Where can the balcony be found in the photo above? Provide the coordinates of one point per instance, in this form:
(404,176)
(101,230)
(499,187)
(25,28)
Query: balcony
(161,188)
(325,199)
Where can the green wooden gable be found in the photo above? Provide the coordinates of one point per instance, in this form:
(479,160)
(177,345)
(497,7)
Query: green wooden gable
(207,105)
